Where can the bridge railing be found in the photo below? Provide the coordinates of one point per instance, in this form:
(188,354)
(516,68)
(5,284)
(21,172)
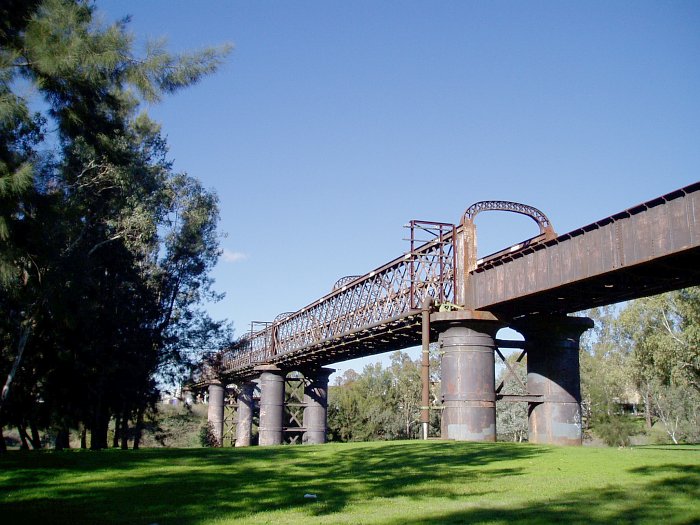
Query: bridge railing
(393,290)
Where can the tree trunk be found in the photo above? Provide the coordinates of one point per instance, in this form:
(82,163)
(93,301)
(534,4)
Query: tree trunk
(83,438)
(125,431)
(24,332)
(117,429)
(138,429)
(36,438)
(23,437)
(63,438)
(98,432)
(647,408)
(3,446)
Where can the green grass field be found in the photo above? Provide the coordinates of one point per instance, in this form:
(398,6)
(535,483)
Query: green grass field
(383,483)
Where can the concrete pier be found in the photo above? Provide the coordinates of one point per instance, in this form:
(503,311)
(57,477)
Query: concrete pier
(553,372)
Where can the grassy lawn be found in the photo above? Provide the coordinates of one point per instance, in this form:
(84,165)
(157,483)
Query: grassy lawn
(388,483)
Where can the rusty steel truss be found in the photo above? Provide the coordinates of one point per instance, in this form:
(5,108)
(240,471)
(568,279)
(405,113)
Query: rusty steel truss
(389,295)
(381,310)
(371,313)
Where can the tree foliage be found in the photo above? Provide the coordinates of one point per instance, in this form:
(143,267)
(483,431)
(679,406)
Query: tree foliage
(646,353)
(105,251)
(511,417)
(379,403)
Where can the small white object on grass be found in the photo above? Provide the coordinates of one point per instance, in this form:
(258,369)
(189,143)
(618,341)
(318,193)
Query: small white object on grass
(310,496)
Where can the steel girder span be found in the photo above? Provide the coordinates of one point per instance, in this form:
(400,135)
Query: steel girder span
(650,248)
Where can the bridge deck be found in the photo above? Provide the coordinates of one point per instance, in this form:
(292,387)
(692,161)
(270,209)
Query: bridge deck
(648,249)
(364,315)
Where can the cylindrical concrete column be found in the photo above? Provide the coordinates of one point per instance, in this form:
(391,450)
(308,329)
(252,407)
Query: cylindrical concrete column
(271,405)
(215,413)
(316,410)
(244,425)
(467,385)
(553,372)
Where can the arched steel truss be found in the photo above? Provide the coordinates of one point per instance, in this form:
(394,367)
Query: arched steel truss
(344,281)
(514,207)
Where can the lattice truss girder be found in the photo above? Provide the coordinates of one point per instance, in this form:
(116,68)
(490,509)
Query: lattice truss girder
(357,303)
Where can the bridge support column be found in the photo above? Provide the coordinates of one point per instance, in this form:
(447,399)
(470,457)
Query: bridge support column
(215,413)
(468,389)
(271,405)
(316,410)
(553,372)
(244,425)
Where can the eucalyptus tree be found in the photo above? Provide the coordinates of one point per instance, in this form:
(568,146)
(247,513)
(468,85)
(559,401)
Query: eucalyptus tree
(662,334)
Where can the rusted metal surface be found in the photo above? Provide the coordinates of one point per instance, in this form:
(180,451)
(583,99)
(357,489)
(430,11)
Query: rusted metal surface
(294,405)
(432,274)
(376,312)
(466,241)
(553,373)
(425,366)
(651,248)
(316,406)
(648,249)
(540,218)
(344,281)
(467,385)
(230,418)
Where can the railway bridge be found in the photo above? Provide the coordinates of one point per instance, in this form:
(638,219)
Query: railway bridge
(440,291)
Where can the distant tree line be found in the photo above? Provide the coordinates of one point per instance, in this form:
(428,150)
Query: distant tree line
(105,251)
(382,403)
(640,364)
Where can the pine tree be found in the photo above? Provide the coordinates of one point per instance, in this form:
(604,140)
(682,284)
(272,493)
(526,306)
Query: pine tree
(102,299)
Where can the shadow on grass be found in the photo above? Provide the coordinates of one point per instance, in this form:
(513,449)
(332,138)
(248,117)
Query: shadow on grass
(671,500)
(192,486)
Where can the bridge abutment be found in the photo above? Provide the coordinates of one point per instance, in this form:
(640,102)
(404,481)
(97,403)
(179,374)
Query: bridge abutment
(244,423)
(316,410)
(468,389)
(553,372)
(215,412)
(271,431)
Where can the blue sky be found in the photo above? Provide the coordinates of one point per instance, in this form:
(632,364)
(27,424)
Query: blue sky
(332,124)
